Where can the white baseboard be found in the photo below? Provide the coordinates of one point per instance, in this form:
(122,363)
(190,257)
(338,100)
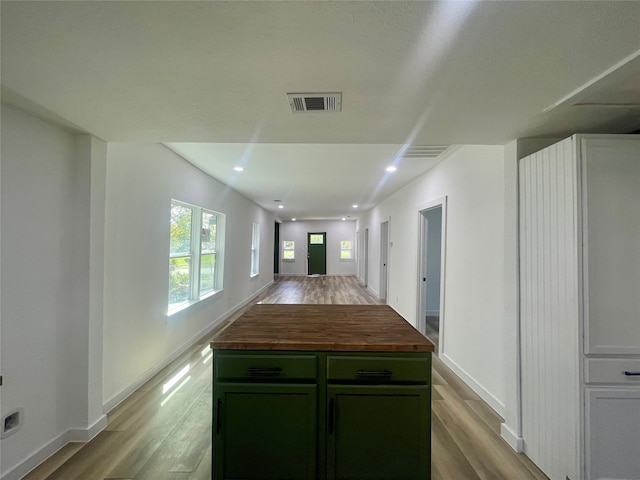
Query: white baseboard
(73,435)
(513,440)
(487,396)
(83,435)
(119,397)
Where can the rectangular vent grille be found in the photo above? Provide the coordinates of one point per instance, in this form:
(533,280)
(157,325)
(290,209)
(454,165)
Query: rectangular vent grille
(315,102)
(422,151)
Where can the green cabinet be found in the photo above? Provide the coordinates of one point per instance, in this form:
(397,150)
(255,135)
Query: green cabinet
(289,415)
(378,432)
(265,431)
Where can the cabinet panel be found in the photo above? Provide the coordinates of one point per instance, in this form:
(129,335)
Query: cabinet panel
(248,366)
(613,434)
(613,370)
(265,431)
(612,249)
(387,369)
(378,432)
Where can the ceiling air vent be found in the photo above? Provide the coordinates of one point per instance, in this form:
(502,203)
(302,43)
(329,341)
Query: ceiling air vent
(315,102)
(422,151)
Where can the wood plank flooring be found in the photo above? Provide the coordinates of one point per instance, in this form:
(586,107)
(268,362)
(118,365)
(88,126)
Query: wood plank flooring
(167,436)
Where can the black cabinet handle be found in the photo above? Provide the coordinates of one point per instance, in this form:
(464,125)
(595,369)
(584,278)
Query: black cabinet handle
(266,371)
(332,415)
(632,374)
(218,416)
(374,374)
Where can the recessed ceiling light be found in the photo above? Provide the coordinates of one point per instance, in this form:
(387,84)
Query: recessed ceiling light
(343,219)
(354,206)
(293,219)
(238,169)
(391,169)
(280,206)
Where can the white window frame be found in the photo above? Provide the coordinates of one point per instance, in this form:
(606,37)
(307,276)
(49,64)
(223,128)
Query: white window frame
(350,250)
(292,250)
(255,250)
(195,256)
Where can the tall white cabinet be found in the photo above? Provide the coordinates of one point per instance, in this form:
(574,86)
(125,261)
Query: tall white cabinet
(580,307)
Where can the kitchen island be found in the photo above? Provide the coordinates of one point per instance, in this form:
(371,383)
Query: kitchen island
(321,392)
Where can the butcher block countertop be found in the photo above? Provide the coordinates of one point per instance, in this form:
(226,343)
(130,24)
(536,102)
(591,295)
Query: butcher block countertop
(344,328)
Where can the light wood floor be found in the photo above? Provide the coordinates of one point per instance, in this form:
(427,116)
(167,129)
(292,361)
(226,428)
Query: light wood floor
(158,436)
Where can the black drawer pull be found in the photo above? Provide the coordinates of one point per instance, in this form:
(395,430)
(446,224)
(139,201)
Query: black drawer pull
(374,374)
(264,371)
(632,374)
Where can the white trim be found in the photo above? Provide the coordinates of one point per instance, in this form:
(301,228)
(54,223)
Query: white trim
(421,209)
(73,435)
(493,402)
(83,435)
(512,439)
(119,397)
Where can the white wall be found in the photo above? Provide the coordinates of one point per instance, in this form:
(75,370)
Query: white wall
(336,231)
(473,325)
(49,321)
(139,338)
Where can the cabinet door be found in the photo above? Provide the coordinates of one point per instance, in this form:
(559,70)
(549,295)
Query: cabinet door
(613,433)
(612,247)
(264,432)
(378,432)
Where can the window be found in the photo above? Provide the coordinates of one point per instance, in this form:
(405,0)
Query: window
(288,250)
(255,249)
(316,238)
(346,250)
(194,257)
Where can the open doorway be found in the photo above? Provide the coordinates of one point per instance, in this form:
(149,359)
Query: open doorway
(431,272)
(384,259)
(366,257)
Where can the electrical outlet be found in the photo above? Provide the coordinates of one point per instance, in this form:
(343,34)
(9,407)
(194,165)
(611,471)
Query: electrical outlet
(12,422)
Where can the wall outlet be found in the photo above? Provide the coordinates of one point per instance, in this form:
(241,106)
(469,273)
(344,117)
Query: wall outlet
(12,422)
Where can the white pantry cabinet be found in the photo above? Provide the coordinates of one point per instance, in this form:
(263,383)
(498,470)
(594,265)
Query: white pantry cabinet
(580,307)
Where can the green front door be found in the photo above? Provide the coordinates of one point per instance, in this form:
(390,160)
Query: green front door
(317,253)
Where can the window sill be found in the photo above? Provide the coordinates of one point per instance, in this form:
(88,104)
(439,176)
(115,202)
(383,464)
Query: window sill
(184,306)
(290,260)
(346,259)
(255,274)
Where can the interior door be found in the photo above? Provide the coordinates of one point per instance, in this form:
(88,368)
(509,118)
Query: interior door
(317,253)
(384,259)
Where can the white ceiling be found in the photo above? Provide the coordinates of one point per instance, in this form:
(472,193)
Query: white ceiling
(209,79)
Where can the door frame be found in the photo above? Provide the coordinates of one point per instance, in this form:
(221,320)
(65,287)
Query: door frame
(366,257)
(324,236)
(384,261)
(422,257)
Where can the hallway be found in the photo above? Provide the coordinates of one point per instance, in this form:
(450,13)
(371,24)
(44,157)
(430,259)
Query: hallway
(162,431)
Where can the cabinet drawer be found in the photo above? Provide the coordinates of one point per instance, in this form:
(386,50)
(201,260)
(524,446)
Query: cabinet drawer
(612,370)
(378,369)
(265,367)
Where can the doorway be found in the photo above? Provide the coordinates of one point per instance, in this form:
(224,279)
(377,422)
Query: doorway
(276,249)
(384,259)
(366,257)
(316,253)
(431,272)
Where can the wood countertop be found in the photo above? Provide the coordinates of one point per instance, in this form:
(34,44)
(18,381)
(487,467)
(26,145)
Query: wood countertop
(322,328)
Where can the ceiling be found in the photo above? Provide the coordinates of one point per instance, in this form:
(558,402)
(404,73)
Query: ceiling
(210,80)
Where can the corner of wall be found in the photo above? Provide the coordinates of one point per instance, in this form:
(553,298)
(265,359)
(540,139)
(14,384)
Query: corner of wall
(513,440)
